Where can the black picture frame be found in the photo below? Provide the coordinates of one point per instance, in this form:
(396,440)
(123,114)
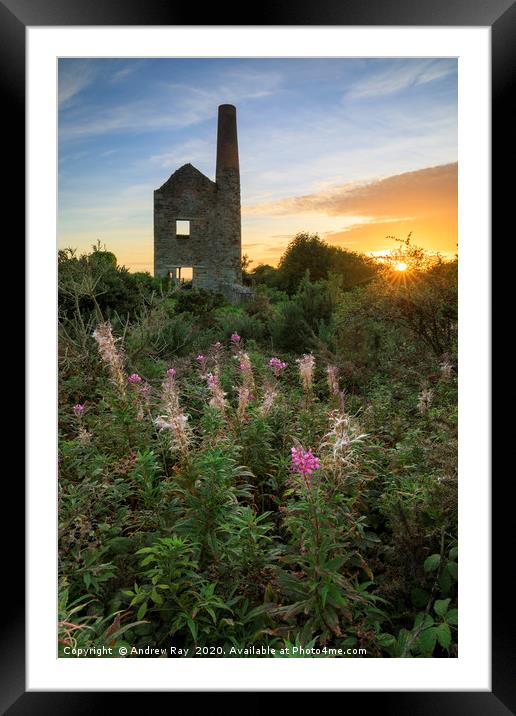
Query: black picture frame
(500,15)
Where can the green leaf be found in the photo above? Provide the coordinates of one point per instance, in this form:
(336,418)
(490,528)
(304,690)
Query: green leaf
(452,617)
(432,562)
(386,640)
(324,594)
(443,635)
(441,606)
(193,627)
(147,560)
(453,569)
(454,553)
(445,581)
(156,598)
(142,611)
(212,614)
(423,620)
(427,640)
(403,637)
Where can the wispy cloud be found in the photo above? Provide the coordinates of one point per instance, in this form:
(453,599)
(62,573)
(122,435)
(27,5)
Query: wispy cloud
(73,77)
(193,151)
(167,105)
(392,80)
(124,72)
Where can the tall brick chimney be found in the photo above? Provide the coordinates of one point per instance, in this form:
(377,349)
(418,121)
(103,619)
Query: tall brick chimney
(227,143)
(229,242)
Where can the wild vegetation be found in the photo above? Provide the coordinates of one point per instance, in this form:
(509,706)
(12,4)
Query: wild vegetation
(278,478)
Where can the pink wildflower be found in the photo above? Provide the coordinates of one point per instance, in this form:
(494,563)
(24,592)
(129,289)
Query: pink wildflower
(217,394)
(201,359)
(134,378)
(277,366)
(269,397)
(110,354)
(213,381)
(306,370)
(244,397)
(246,368)
(235,338)
(78,409)
(304,462)
(173,418)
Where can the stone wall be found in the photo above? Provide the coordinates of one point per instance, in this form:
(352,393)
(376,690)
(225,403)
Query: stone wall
(213,249)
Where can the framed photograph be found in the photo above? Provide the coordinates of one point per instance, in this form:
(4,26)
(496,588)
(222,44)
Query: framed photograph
(258,280)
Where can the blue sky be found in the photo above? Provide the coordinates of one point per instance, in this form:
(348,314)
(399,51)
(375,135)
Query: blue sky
(316,137)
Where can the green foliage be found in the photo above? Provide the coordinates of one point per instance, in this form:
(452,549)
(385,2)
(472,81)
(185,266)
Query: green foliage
(198,302)
(248,327)
(217,544)
(94,285)
(307,252)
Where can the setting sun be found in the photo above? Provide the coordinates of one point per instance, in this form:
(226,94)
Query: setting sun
(401,267)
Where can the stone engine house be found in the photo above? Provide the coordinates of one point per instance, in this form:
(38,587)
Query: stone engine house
(197,222)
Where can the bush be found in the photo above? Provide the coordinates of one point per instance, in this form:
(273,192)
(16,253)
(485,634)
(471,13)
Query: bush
(236,321)
(307,252)
(213,496)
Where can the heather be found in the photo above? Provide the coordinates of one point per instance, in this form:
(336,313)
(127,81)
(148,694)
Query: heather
(278,473)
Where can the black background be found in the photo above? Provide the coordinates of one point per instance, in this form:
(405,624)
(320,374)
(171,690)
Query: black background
(500,15)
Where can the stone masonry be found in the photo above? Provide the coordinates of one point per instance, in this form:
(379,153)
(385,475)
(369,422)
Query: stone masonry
(213,247)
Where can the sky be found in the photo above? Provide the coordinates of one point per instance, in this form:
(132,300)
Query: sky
(356,150)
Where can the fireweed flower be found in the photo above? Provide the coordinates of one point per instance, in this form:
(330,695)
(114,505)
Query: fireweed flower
(173,418)
(216,355)
(144,391)
(110,354)
(344,433)
(217,394)
(277,366)
(83,436)
(246,369)
(269,397)
(244,398)
(202,361)
(235,338)
(304,462)
(332,373)
(134,378)
(306,371)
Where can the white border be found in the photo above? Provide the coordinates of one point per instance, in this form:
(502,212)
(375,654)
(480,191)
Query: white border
(471,670)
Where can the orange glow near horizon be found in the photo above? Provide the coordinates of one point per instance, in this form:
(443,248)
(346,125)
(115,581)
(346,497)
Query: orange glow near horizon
(363,218)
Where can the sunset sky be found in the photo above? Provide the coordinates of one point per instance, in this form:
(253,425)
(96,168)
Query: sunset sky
(355,150)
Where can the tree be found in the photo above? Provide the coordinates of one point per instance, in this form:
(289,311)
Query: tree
(308,252)
(264,274)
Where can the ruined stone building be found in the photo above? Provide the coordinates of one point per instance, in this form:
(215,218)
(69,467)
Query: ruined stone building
(197,221)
